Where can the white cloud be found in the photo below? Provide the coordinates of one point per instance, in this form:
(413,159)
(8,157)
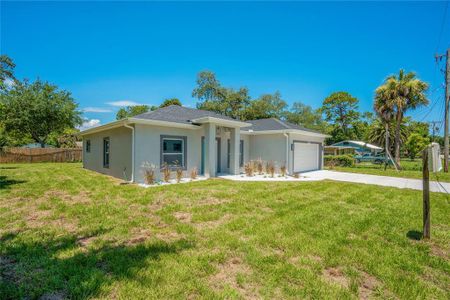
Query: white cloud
(97,110)
(123,103)
(89,124)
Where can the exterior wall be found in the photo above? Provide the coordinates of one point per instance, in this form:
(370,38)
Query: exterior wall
(120,152)
(268,147)
(303,138)
(148,147)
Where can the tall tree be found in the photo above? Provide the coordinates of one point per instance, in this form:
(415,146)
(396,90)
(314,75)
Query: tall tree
(171,101)
(131,111)
(341,109)
(214,97)
(403,92)
(6,72)
(38,109)
(415,143)
(383,108)
(306,116)
(266,106)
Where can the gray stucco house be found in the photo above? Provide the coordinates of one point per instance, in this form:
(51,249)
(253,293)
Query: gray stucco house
(212,143)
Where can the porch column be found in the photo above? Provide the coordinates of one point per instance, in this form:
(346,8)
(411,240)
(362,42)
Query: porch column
(210,150)
(235,141)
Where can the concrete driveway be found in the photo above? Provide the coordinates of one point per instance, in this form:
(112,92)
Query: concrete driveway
(402,183)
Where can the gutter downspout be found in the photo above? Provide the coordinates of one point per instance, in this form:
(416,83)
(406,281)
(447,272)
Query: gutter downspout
(287,150)
(132,151)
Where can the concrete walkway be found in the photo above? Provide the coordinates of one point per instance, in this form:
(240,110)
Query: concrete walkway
(398,182)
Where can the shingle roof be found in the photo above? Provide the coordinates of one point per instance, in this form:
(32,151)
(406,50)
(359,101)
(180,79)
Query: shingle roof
(185,115)
(274,124)
(179,114)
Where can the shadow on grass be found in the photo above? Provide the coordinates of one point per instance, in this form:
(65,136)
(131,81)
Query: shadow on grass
(6,183)
(414,235)
(31,269)
(8,168)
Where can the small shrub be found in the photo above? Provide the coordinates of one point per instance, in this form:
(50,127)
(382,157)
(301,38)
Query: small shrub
(194,173)
(339,160)
(165,170)
(179,174)
(270,167)
(149,172)
(249,169)
(283,170)
(260,166)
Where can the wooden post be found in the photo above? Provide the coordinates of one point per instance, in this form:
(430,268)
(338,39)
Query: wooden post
(426,195)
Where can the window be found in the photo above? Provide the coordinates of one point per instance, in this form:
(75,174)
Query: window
(173,151)
(88,146)
(241,154)
(106,152)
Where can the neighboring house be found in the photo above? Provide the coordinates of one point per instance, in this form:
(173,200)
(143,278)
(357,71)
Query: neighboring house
(360,147)
(338,150)
(200,139)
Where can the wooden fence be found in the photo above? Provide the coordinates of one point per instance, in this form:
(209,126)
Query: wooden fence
(31,155)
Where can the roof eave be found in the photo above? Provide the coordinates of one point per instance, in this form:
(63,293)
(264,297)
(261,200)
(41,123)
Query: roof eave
(162,123)
(222,122)
(277,131)
(107,126)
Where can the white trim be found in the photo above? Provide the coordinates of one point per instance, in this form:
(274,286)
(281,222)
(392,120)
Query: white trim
(298,131)
(107,126)
(163,123)
(223,122)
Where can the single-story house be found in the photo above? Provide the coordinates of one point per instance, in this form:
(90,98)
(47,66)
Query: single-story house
(192,138)
(360,147)
(338,150)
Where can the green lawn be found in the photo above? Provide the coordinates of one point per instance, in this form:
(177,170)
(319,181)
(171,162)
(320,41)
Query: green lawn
(69,232)
(410,169)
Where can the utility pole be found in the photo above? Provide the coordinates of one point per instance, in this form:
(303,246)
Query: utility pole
(447,96)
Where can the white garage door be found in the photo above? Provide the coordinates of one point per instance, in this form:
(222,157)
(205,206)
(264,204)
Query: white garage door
(306,157)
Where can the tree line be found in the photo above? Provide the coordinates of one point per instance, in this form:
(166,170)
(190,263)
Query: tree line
(41,112)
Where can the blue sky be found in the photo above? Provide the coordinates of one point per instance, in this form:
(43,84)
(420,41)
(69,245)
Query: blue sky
(144,52)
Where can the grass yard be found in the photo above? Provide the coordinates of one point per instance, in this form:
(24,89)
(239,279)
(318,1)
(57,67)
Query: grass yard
(66,232)
(410,169)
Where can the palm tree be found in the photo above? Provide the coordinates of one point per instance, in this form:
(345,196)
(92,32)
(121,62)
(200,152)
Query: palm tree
(383,108)
(401,93)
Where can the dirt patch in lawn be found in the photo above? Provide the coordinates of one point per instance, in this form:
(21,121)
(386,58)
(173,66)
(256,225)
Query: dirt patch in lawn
(214,223)
(183,217)
(210,200)
(234,273)
(169,237)
(81,197)
(40,218)
(336,276)
(368,285)
(438,251)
